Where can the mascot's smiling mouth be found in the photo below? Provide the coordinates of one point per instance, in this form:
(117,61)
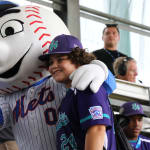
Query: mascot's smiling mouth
(13,71)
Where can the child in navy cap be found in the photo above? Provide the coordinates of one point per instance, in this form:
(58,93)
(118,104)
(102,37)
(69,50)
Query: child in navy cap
(134,112)
(85,118)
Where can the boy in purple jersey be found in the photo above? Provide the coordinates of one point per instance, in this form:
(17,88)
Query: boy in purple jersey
(134,112)
(85,118)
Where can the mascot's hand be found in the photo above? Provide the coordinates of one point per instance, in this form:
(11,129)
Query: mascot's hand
(94,74)
(110,83)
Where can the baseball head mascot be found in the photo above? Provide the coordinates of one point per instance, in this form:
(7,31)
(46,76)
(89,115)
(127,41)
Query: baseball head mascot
(29,96)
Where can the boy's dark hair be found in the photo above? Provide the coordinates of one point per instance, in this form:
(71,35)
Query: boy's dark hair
(111,25)
(78,57)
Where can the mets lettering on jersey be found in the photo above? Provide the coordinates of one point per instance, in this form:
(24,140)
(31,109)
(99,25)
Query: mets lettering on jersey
(34,116)
(19,110)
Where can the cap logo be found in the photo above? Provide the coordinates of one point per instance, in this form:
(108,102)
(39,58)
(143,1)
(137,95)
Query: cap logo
(53,45)
(135,106)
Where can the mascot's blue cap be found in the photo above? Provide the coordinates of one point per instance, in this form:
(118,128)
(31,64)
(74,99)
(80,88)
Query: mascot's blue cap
(6,5)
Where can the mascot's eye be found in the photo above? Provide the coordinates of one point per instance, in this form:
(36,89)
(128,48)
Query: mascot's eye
(9,31)
(11,27)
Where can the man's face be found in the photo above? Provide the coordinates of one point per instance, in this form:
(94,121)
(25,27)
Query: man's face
(131,71)
(134,127)
(111,37)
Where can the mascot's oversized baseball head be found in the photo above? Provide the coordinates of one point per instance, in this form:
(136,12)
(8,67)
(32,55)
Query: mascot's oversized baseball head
(25,34)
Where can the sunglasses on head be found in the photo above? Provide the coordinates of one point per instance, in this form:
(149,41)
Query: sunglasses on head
(111,25)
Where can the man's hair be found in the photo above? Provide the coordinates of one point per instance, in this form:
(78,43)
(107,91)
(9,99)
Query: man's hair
(111,25)
(120,65)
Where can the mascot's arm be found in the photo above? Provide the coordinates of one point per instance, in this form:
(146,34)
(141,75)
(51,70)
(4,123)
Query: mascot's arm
(94,74)
(4,113)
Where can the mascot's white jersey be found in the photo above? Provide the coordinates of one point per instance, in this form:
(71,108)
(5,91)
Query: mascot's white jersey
(33,114)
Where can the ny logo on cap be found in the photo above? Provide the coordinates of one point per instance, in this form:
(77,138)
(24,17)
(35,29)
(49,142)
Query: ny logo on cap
(53,45)
(135,106)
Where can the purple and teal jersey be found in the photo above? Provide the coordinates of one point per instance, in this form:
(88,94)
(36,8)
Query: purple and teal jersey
(79,111)
(143,143)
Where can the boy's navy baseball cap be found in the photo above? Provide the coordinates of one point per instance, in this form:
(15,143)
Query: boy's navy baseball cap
(131,108)
(61,44)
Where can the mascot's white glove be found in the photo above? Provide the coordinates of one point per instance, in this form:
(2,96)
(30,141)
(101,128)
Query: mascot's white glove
(93,74)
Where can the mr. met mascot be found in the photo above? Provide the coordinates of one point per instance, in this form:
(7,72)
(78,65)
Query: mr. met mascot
(29,96)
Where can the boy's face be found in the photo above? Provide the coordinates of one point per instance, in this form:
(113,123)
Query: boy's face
(134,127)
(60,68)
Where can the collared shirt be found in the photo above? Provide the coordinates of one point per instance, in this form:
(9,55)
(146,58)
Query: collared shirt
(142,143)
(79,111)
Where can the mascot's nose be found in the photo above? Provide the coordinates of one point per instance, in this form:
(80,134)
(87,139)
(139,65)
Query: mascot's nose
(4,54)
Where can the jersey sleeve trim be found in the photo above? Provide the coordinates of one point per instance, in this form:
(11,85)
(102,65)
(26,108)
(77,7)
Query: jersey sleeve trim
(90,117)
